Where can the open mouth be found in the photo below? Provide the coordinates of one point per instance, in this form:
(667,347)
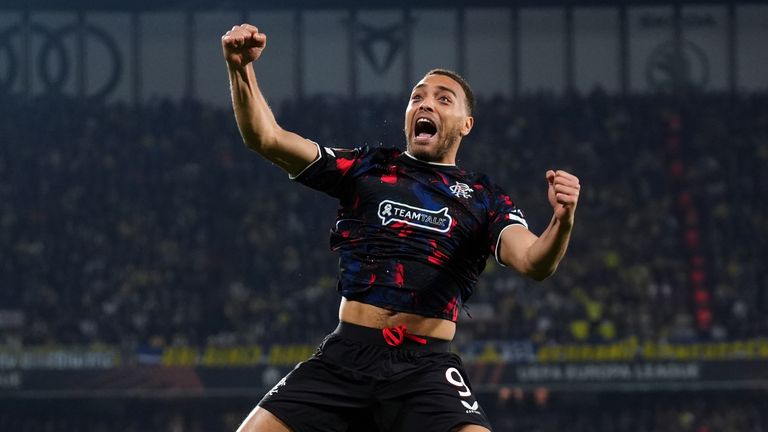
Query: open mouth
(424,129)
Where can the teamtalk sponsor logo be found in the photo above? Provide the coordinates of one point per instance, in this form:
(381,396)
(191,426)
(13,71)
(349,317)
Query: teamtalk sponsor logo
(462,190)
(392,211)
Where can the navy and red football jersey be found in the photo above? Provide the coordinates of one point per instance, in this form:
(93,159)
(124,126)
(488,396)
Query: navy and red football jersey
(412,236)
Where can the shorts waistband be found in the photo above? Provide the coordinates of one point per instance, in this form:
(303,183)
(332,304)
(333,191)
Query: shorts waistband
(374,336)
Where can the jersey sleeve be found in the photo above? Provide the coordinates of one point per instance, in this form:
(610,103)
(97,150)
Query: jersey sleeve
(504,213)
(331,169)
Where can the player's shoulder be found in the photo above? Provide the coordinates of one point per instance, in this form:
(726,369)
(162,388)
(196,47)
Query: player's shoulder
(484,186)
(380,155)
(386,152)
(365,159)
(476,177)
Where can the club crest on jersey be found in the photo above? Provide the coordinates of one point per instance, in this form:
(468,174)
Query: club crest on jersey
(462,190)
(392,211)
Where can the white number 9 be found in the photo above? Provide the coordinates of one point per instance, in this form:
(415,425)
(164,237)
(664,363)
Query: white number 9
(454,377)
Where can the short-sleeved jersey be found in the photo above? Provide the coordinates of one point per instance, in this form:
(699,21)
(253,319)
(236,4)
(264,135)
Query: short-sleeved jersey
(412,236)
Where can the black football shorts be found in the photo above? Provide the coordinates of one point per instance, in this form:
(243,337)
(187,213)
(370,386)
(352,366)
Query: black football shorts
(357,382)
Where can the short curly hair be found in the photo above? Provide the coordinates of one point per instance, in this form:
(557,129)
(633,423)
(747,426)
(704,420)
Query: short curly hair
(469,95)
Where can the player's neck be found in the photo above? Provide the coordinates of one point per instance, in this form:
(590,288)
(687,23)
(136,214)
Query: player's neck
(442,164)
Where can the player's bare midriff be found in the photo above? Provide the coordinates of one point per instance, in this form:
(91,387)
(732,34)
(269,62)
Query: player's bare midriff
(366,315)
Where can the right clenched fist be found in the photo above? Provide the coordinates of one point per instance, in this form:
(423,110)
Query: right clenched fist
(243,44)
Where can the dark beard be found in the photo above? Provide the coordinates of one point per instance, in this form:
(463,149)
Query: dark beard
(449,140)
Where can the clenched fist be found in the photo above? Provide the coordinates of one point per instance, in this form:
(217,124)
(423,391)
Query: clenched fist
(563,194)
(243,44)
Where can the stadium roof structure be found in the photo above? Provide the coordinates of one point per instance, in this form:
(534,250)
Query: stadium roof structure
(142,5)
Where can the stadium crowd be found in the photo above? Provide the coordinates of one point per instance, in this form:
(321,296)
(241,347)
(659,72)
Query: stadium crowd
(154,226)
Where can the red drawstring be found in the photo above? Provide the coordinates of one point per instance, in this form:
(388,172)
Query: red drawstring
(395,336)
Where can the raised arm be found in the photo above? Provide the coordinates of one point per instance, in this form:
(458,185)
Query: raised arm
(242,46)
(539,256)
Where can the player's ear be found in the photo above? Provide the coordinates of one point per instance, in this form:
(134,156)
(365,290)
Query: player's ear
(469,121)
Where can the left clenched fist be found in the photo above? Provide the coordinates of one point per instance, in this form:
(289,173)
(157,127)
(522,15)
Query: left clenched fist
(563,194)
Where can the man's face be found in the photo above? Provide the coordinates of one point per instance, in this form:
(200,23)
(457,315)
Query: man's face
(436,119)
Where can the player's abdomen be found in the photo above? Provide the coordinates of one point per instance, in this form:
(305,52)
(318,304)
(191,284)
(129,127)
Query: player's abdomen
(367,315)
